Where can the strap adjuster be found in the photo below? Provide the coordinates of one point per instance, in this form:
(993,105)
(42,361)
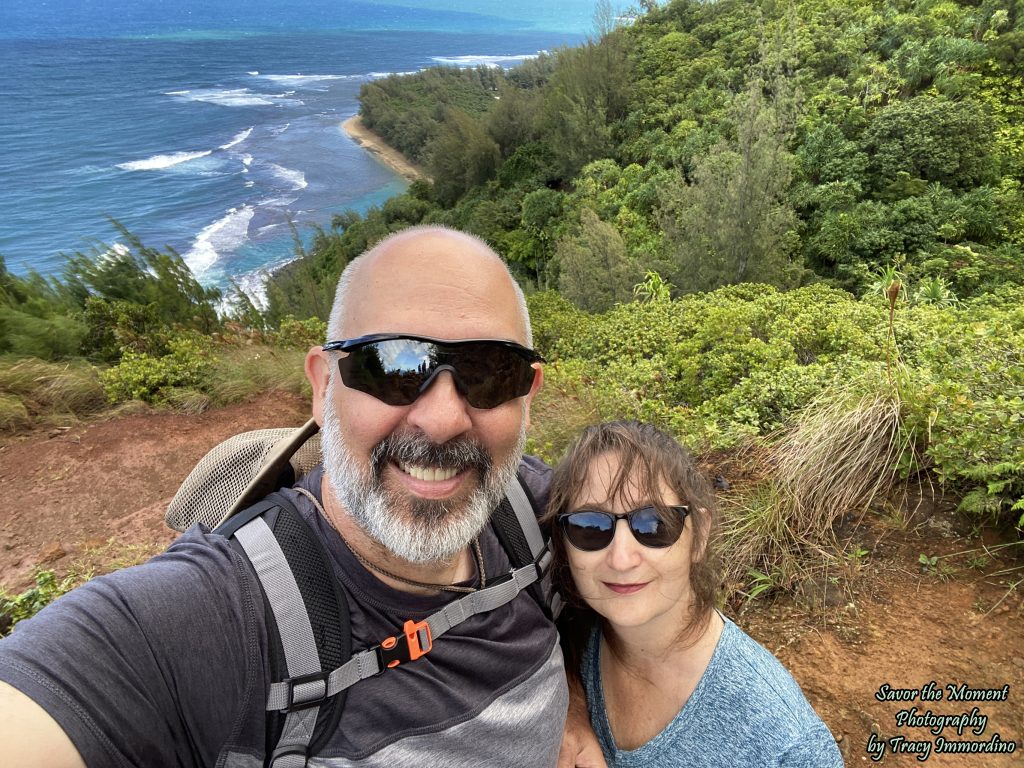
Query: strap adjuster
(302,694)
(418,642)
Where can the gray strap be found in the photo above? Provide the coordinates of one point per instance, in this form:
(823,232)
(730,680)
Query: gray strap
(295,737)
(527,517)
(531,530)
(296,633)
(366,663)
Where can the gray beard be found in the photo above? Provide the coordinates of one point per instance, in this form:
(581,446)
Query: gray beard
(425,530)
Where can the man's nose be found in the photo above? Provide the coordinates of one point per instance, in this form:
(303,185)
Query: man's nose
(441,412)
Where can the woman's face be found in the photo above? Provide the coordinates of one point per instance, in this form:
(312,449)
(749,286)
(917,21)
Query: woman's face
(632,586)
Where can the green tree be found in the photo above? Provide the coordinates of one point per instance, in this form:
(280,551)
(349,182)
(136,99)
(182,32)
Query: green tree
(587,94)
(934,139)
(138,274)
(463,155)
(734,222)
(595,271)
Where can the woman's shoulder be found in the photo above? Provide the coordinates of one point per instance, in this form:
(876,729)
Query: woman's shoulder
(749,676)
(752,695)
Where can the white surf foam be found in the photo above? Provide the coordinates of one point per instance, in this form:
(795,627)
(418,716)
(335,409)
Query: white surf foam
(238,139)
(379,75)
(235,97)
(160,162)
(296,178)
(225,234)
(305,81)
(254,284)
(117,249)
(486,61)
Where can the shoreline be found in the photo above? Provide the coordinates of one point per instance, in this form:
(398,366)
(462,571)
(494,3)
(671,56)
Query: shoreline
(375,145)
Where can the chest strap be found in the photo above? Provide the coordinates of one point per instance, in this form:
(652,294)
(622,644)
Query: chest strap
(298,693)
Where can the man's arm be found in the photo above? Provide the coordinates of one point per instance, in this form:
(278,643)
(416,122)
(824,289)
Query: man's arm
(580,747)
(30,737)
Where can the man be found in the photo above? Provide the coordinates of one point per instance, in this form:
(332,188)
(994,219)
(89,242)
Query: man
(164,664)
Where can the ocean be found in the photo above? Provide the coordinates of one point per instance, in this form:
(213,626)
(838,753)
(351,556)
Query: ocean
(207,126)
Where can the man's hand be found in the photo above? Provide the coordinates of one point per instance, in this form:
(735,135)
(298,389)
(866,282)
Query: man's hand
(580,747)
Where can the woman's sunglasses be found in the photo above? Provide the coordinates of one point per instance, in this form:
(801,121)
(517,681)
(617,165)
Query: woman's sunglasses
(397,368)
(591,530)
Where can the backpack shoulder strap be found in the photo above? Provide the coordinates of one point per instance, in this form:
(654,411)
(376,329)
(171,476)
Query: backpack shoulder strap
(515,524)
(308,622)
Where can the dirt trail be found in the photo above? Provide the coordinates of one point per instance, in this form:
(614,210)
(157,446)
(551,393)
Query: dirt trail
(66,492)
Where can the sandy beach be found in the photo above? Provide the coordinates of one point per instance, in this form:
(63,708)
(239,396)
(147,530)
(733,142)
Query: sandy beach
(371,142)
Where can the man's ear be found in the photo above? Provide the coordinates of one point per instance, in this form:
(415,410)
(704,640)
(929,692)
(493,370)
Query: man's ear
(318,371)
(538,382)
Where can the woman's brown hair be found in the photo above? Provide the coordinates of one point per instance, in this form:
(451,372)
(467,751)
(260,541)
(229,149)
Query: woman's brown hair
(648,458)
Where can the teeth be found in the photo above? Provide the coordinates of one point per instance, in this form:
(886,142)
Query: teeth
(432,474)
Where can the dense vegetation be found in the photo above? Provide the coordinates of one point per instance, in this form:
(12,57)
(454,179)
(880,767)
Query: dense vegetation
(793,227)
(835,145)
(728,142)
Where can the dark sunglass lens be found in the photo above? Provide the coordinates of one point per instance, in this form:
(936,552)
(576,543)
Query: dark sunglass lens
(391,371)
(394,370)
(651,531)
(492,373)
(589,531)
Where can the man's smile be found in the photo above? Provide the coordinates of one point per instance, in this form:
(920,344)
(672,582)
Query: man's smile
(430,482)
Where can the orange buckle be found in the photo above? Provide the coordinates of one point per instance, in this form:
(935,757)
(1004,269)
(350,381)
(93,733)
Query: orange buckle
(418,642)
(417,635)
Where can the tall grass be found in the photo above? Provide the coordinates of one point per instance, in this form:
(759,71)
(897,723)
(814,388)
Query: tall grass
(840,456)
(34,391)
(241,372)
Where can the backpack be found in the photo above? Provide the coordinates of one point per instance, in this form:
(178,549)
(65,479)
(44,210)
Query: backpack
(232,491)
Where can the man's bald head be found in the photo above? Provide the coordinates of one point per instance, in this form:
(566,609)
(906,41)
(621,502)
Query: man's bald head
(432,281)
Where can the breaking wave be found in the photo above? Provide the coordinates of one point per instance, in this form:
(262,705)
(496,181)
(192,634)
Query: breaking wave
(484,61)
(160,162)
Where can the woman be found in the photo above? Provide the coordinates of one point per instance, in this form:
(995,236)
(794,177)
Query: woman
(669,680)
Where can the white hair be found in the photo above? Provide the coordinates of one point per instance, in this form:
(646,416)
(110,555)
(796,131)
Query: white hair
(436,536)
(334,325)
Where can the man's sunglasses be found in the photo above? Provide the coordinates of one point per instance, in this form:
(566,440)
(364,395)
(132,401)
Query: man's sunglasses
(591,530)
(397,368)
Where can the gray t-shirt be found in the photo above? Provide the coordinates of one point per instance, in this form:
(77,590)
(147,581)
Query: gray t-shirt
(164,664)
(747,711)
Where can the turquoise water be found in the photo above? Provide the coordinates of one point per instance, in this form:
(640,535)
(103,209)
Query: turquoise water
(208,126)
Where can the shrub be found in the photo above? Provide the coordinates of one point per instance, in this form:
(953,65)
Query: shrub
(26,335)
(140,376)
(553,318)
(301,334)
(118,326)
